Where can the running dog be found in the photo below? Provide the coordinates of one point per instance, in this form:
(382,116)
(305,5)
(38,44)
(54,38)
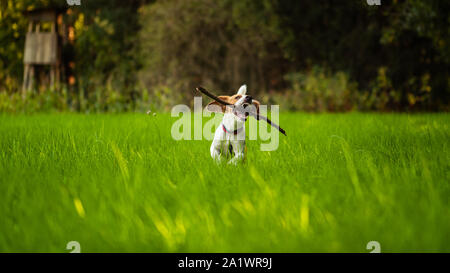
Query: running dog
(229,137)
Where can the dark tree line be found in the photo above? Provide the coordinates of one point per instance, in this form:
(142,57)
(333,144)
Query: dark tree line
(342,54)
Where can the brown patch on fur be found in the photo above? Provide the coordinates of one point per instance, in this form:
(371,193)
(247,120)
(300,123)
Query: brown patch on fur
(214,106)
(256,104)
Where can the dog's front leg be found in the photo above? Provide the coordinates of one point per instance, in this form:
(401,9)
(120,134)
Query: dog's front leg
(216,152)
(238,149)
(238,157)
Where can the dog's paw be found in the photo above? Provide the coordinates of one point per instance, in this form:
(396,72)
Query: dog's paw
(235,160)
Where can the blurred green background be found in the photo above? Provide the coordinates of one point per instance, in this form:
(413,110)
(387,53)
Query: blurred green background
(304,55)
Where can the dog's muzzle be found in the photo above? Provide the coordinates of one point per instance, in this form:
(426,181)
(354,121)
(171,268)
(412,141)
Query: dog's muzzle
(239,111)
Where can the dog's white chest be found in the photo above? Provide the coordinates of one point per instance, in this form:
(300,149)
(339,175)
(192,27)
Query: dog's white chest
(229,137)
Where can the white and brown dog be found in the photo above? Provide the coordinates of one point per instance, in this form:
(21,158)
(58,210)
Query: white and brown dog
(229,137)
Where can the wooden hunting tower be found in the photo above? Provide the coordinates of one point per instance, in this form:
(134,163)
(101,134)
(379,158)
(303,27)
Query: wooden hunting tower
(42,48)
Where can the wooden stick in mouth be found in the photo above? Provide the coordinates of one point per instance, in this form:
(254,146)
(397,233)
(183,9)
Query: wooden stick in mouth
(214,97)
(255,115)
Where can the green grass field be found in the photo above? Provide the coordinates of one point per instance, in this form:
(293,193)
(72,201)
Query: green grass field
(120,183)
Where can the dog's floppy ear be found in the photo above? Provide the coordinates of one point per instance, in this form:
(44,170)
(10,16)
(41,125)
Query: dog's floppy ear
(256,104)
(214,106)
(242,90)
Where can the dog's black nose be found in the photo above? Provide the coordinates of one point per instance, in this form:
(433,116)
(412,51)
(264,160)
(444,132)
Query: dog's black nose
(248,99)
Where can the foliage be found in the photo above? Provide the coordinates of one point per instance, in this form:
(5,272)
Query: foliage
(393,57)
(12,29)
(103,48)
(105,38)
(222,44)
(101,99)
(317,90)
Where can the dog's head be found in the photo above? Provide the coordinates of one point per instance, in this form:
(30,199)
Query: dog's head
(243,104)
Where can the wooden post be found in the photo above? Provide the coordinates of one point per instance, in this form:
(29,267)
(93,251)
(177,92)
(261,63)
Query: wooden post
(52,76)
(31,79)
(26,78)
(26,71)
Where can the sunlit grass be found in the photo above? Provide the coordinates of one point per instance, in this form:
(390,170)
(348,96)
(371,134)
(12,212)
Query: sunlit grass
(120,183)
